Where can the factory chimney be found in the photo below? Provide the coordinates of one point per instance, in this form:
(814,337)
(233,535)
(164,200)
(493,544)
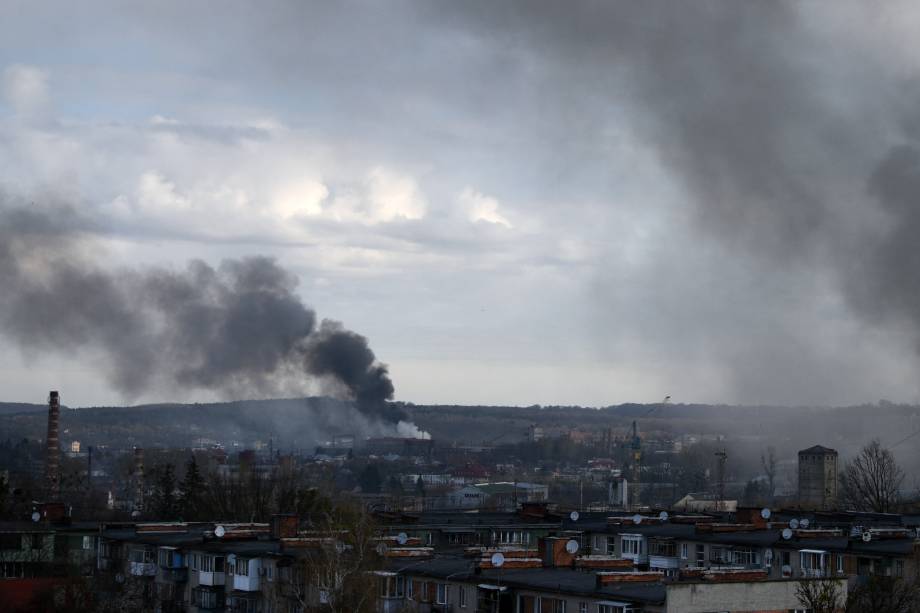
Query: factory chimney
(52,449)
(138,479)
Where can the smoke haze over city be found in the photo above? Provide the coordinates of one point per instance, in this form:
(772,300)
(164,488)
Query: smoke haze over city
(517,203)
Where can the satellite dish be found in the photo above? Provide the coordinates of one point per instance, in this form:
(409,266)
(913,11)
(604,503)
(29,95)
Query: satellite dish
(637,519)
(402,538)
(787,533)
(765,513)
(220,531)
(867,536)
(794,524)
(498,559)
(663,516)
(381,549)
(231,558)
(36,516)
(119,578)
(804,522)
(574,515)
(572,546)
(135,514)
(340,547)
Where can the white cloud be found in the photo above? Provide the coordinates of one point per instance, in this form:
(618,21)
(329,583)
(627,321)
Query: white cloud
(26,90)
(392,196)
(304,197)
(480,207)
(383,196)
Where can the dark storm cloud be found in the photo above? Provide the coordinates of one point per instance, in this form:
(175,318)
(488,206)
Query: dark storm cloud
(238,329)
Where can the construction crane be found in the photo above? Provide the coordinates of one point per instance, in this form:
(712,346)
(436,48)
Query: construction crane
(637,454)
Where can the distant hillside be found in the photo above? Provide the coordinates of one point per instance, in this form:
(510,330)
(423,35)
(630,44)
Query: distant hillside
(8,408)
(302,423)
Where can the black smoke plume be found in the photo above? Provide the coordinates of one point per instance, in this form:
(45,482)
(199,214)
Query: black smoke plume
(238,329)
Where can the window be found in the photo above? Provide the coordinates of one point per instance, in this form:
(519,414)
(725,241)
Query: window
(719,555)
(410,589)
(667,549)
(462,596)
(611,545)
(700,555)
(898,568)
(206,599)
(212,564)
(684,551)
(840,564)
(631,545)
(787,558)
(193,561)
(613,608)
(36,541)
(441,594)
(270,572)
(582,607)
(142,556)
(813,563)
(511,537)
(551,605)
(745,557)
(242,567)
(88,542)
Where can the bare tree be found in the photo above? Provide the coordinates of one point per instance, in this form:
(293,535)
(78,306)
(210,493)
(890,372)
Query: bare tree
(880,594)
(337,574)
(872,480)
(819,595)
(768,462)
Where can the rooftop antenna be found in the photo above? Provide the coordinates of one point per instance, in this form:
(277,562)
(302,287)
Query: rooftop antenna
(722,458)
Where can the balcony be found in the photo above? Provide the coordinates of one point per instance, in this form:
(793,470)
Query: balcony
(211,578)
(143,569)
(391,604)
(173,575)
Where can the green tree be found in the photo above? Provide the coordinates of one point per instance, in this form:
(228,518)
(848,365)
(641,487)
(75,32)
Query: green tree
(193,493)
(163,501)
(370,479)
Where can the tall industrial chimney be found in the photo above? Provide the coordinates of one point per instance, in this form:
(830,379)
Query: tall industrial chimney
(138,479)
(52,449)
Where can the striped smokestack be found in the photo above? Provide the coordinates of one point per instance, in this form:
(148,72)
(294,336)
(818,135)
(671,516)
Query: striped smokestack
(138,479)
(52,449)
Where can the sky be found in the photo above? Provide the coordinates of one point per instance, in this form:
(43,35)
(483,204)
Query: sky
(516,203)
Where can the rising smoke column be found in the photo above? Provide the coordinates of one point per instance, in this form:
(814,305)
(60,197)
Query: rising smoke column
(236,329)
(790,128)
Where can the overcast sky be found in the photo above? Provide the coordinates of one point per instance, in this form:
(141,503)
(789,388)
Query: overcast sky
(516,202)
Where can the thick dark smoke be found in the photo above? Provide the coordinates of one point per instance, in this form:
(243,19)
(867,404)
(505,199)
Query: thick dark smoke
(795,144)
(238,329)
